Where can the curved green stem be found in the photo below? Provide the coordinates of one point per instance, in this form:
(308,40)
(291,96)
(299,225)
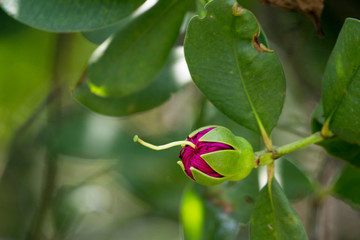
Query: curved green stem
(315,138)
(162,147)
(266,157)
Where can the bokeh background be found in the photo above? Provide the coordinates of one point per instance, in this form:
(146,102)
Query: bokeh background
(69,173)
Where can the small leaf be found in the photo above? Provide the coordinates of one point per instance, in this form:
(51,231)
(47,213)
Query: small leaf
(69,15)
(348,152)
(131,59)
(155,94)
(232,68)
(274,218)
(341,84)
(347,186)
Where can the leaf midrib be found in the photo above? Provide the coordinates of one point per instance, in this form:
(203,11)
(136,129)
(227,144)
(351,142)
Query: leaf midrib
(244,85)
(269,188)
(336,108)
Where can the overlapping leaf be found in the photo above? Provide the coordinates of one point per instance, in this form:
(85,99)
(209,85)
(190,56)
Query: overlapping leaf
(132,58)
(349,152)
(231,67)
(155,94)
(347,186)
(341,84)
(69,15)
(274,218)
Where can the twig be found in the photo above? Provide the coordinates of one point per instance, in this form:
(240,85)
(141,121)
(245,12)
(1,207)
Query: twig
(54,112)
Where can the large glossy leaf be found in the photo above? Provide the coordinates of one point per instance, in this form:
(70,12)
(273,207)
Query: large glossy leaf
(335,146)
(132,58)
(69,15)
(341,84)
(98,36)
(274,218)
(347,186)
(229,66)
(155,94)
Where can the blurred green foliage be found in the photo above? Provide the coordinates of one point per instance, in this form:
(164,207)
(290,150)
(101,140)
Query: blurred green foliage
(107,187)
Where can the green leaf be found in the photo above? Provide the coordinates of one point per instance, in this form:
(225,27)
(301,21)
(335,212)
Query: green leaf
(341,84)
(294,180)
(69,15)
(274,218)
(335,146)
(245,83)
(98,36)
(132,58)
(155,94)
(347,186)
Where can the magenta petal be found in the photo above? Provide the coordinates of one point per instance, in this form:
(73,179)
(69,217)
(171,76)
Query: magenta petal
(192,157)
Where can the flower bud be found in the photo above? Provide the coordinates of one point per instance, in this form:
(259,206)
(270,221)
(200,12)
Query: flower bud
(218,156)
(212,155)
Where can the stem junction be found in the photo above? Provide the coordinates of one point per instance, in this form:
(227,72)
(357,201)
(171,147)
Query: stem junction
(266,157)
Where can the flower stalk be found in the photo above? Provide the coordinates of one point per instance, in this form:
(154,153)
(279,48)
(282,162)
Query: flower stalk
(165,146)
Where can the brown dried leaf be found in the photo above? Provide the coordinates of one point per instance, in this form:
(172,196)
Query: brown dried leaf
(312,8)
